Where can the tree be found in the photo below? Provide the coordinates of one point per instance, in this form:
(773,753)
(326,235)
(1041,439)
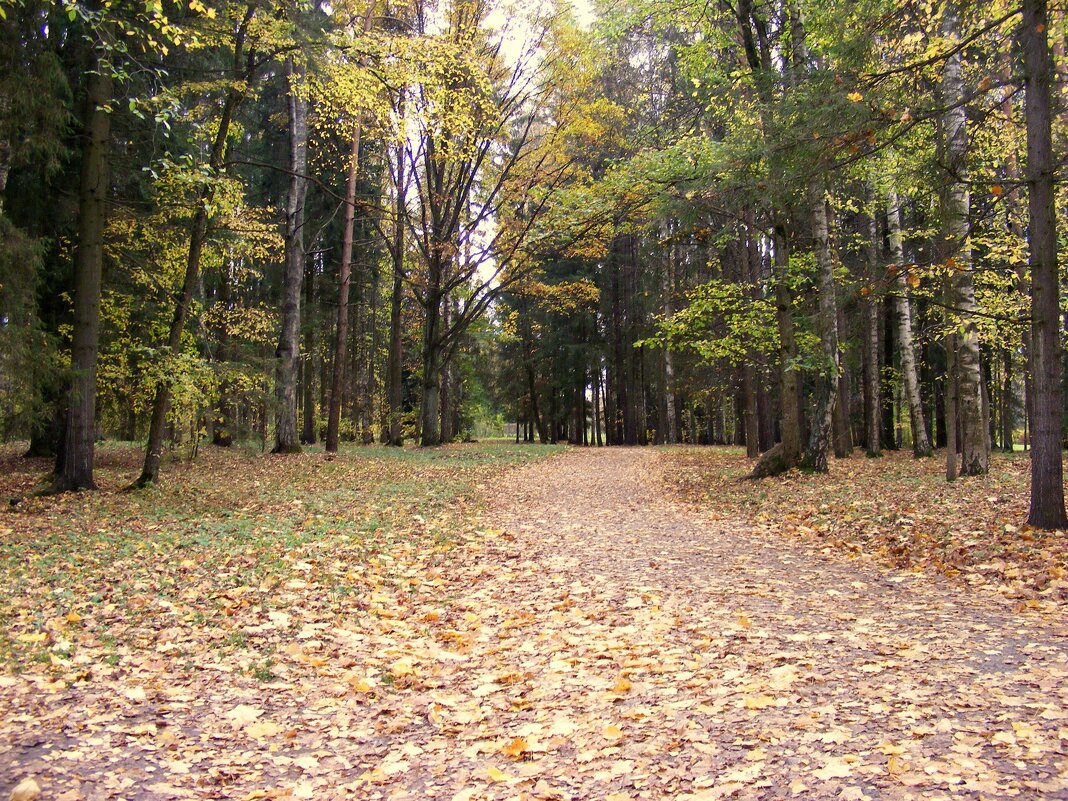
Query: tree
(965,341)
(242,68)
(920,444)
(1047,482)
(481,171)
(288,352)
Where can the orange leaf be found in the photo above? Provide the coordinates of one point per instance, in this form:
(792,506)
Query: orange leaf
(516,748)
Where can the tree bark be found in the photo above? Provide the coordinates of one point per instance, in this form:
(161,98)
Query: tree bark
(667,289)
(824,394)
(74,463)
(430,430)
(309,434)
(973,434)
(445,399)
(341,330)
(843,435)
(395,369)
(1047,479)
(872,383)
(285,437)
(921,446)
(787,453)
(951,408)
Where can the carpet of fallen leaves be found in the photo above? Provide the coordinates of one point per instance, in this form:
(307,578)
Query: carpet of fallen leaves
(571,632)
(125,612)
(897,509)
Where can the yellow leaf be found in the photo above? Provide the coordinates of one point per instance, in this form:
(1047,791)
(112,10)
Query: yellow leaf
(359,682)
(496,774)
(264,728)
(612,732)
(243,715)
(914,281)
(834,768)
(402,667)
(855,97)
(758,701)
(39,636)
(744,622)
(622,685)
(26,790)
(73,617)
(516,748)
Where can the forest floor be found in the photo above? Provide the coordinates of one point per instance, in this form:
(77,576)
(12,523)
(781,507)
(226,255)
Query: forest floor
(477,623)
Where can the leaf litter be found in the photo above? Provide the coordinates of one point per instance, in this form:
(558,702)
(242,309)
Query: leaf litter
(581,636)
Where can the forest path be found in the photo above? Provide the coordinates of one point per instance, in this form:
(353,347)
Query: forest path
(718,661)
(587,638)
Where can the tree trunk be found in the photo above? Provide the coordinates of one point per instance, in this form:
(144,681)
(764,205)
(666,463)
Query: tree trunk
(951,407)
(1008,402)
(74,463)
(843,435)
(341,331)
(197,237)
(597,402)
(872,383)
(1047,480)
(430,431)
(445,399)
(396,342)
(921,446)
(787,453)
(974,438)
(667,290)
(309,434)
(285,438)
(827,376)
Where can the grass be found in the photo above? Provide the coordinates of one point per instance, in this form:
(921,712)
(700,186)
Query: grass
(218,535)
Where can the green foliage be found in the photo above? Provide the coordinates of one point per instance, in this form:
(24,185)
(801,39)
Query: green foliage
(27,360)
(721,323)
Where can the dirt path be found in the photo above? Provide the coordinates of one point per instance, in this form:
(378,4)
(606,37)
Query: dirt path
(592,641)
(758,666)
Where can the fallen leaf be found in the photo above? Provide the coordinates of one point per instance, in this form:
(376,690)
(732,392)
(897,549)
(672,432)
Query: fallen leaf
(26,790)
(516,748)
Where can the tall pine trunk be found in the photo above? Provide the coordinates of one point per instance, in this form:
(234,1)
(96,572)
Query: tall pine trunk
(74,461)
(787,453)
(429,411)
(667,289)
(395,369)
(824,393)
(872,375)
(341,329)
(309,433)
(974,454)
(285,437)
(921,446)
(1047,480)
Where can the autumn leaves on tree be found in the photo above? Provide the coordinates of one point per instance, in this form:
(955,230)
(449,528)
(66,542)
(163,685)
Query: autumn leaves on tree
(802,227)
